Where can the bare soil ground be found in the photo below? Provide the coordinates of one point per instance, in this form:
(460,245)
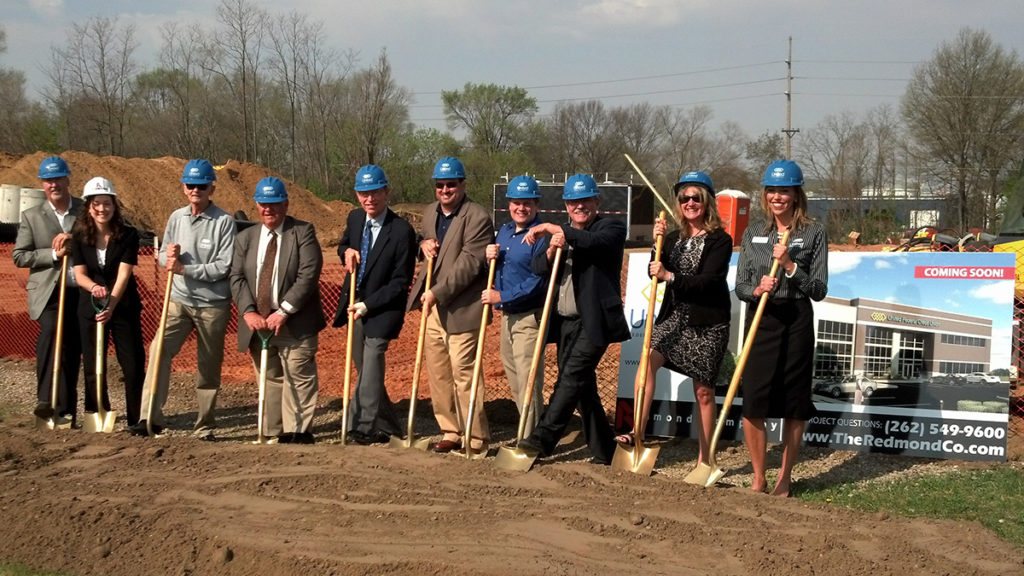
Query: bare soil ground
(121,505)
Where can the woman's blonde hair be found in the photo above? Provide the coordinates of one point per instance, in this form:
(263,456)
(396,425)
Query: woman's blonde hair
(800,217)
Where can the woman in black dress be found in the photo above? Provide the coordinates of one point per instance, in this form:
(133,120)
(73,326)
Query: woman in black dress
(105,251)
(692,329)
(777,378)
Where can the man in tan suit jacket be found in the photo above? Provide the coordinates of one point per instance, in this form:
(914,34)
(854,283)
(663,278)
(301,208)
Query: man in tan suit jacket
(290,308)
(43,240)
(456,233)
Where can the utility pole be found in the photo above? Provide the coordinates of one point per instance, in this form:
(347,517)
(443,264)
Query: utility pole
(789,130)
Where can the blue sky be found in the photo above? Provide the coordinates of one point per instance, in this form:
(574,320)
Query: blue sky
(848,56)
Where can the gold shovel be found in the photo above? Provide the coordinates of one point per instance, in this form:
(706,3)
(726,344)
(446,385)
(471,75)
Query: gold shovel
(706,474)
(477,369)
(515,458)
(54,422)
(101,420)
(638,458)
(410,440)
(348,356)
(153,370)
(262,401)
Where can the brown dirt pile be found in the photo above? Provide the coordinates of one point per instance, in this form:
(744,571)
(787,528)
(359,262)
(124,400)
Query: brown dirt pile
(149,189)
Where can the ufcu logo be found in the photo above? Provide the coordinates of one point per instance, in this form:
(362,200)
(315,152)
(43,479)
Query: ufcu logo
(878,317)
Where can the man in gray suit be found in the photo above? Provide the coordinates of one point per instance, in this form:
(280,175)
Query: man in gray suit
(275,282)
(44,238)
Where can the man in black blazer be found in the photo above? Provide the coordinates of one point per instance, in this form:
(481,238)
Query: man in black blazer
(588,316)
(283,255)
(379,247)
(44,238)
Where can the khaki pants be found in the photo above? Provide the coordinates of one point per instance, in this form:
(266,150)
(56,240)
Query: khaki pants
(292,383)
(210,324)
(518,340)
(449,361)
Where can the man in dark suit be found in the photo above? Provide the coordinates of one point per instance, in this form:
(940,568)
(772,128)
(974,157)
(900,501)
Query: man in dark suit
(378,247)
(456,233)
(588,316)
(275,282)
(44,238)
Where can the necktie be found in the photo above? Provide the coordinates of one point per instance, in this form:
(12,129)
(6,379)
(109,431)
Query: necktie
(264,284)
(364,250)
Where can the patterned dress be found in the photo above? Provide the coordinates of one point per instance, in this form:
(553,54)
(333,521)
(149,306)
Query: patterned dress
(695,351)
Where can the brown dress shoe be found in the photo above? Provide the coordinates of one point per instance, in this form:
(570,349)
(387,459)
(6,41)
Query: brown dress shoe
(445,446)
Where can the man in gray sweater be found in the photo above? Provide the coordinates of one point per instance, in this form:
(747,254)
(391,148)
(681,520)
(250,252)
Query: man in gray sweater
(197,248)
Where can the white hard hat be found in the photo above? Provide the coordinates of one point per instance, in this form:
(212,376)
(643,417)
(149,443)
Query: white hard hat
(97,186)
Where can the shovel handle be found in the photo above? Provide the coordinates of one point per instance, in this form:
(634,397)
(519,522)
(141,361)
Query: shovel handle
(538,347)
(741,363)
(477,363)
(348,356)
(58,339)
(653,189)
(640,389)
(418,364)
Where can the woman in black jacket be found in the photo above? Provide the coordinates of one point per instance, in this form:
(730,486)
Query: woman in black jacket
(105,252)
(692,330)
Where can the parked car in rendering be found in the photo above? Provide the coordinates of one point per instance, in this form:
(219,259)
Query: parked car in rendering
(982,378)
(848,384)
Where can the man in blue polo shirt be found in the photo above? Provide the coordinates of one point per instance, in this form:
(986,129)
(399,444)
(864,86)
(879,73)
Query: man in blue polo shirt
(519,294)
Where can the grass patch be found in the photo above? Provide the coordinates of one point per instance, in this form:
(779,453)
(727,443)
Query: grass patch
(21,570)
(993,497)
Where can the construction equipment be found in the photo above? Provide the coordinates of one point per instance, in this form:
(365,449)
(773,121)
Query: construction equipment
(515,458)
(101,420)
(477,369)
(638,458)
(54,421)
(706,474)
(410,440)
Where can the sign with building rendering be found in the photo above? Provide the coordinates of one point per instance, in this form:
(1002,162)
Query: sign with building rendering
(912,356)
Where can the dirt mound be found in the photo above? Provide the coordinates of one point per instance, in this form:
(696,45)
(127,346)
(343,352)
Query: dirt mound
(149,188)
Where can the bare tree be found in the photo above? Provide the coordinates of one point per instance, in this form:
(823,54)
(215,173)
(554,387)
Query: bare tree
(964,109)
(380,107)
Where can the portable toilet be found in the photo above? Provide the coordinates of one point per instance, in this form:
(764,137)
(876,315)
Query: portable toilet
(734,209)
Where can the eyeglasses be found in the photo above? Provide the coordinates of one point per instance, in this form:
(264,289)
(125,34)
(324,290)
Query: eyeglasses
(201,187)
(443,185)
(695,199)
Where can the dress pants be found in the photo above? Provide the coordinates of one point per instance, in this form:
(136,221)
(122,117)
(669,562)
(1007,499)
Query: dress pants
(292,382)
(449,361)
(71,353)
(370,407)
(576,388)
(210,324)
(124,329)
(518,340)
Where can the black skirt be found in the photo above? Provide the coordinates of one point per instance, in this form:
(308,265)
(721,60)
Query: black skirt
(777,379)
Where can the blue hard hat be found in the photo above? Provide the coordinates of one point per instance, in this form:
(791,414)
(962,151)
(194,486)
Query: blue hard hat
(522,187)
(579,186)
(270,190)
(783,173)
(198,171)
(449,168)
(53,167)
(370,177)
(695,177)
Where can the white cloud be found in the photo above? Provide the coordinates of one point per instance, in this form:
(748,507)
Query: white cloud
(1000,292)
(1002,345)
(845,263)
(47,7)
(882,264)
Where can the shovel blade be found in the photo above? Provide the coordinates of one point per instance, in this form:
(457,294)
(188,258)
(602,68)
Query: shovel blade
(410,442)
(54,423)
(635,459)
(514,459)
(96,422)
(705,475)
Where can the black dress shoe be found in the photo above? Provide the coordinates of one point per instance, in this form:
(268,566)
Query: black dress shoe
(43,410)
(303,438)
(361,438)
(380,437)
(287,438)
(140,429)
(530,447)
